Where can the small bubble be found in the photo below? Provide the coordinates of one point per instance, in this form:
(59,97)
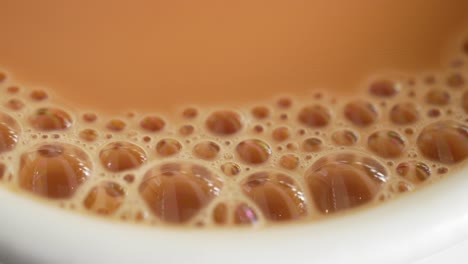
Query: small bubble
(402,187)
(437,97)
(3,77)
(39,95)
(360,113)
(224,122)
(168,147)
(344,137)
(220,214)
(254,151)
(13,89)
(465,101)
(444,141)
(409,131)
(244,215)
(465,47)
(430,79)
(312,145)
(414,171)
(89,117)
(289,161)
(442,170)
(190,113)
(292,146)
(258,128)
(433,113)
(89,135)
(284,103)
(280,134)
(116,125)
(186,130)
(120,156)
(455,80)
(14,104)
(230,169)
(386,143)
(129,178)
(384,88)
(152,123)
(404,114)
(146,139)
(284,116)
(104,198)
(49,119)
(206,150)
(314,116)
(260,112)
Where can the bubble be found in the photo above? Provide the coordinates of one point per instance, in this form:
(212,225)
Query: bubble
(409,131)
(414,171)
(402,187)
(176,192)
(312,144)
(39,95)
(224,122)
(258,128)
(168,146)
(220,214)
(404,114)
(281,134)
(465,101)
(152,123)
(206,150)
(314,116)
(260,112)
(344,180)
(253,151)
(438,97)
(186,130)
(50,119)
(190,113)
(344,137)
(2,77)
(284,103)
(14,104)
(433,113)
(386,143)
(2,170)
(244,215)
(289,161)
(13,89)
(442,170)
(276,194)
(360,113)
(455,80)
(120,156)
(129,178)
(88,135)
(9,133)
(444,141)
(54,170)
(89,117)
(230,169)
(105,198)
(384,88)
(116,125)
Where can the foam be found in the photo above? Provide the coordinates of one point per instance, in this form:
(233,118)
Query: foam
(285,159)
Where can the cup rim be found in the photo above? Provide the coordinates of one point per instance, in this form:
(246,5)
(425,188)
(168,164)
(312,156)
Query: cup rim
(405,229)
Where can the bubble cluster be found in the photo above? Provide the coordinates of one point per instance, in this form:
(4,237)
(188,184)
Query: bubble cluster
(270,161)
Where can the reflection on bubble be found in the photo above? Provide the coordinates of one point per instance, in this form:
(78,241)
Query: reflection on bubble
(276,194)
(244,215)
(230,169)
(105,198)
(120,156)
(54,170)
(176,192)
(312,145)
(344,180)
(444,141)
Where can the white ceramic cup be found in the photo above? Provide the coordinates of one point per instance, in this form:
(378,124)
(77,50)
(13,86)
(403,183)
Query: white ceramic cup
(403,230)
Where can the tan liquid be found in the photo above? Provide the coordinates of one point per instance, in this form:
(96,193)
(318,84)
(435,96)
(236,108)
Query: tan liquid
(151,55)
(303,110)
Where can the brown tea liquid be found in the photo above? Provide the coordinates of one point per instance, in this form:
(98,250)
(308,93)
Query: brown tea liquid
(253,112)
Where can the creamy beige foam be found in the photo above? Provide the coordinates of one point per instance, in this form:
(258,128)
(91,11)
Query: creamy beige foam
(282,149)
